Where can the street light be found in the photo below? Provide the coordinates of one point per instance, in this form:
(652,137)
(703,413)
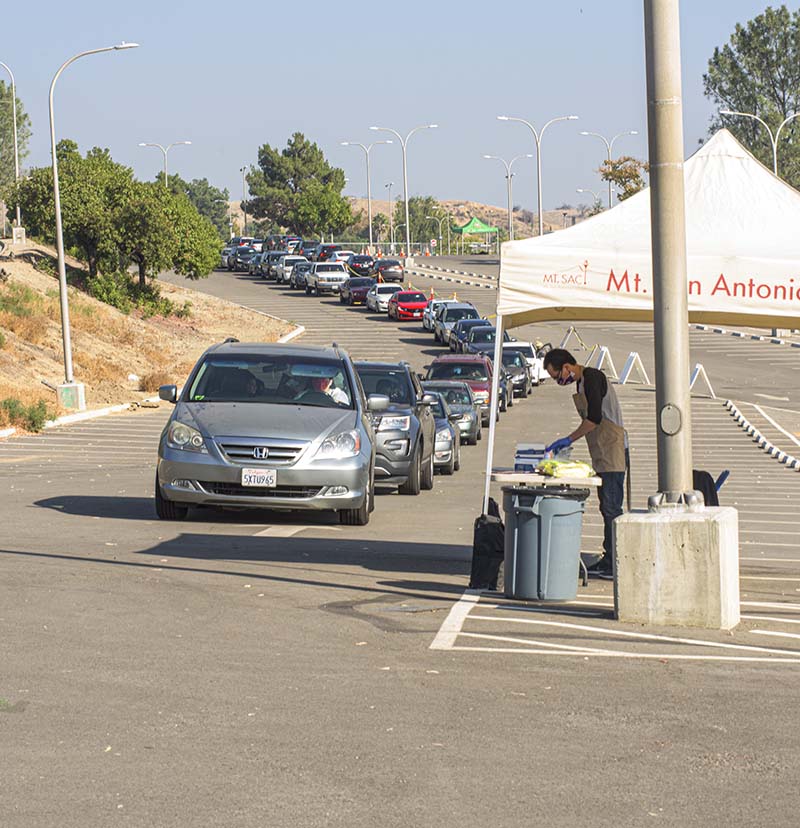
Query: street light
(592,193)
(14,121)
(609,146)
(538,139)
(367,150)
(509,177)
(62,270)
(440,220)
(243,171)
(773,138)
(166,150)
(391,214)
(403,142)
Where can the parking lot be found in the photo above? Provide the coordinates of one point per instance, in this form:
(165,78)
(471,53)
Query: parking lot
(237,656)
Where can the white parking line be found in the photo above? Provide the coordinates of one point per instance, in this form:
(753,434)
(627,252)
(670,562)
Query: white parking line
(451,626)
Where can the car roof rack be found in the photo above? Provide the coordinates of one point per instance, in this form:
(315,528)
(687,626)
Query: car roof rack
(229,339)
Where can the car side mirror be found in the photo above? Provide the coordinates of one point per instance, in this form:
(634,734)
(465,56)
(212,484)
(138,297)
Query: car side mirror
(428,399)
(454,418)
(377,402)
(168,393)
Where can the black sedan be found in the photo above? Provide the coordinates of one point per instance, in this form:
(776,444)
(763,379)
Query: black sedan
(242,258)
(354,290)
(516,366)
(360,265)
(389,270)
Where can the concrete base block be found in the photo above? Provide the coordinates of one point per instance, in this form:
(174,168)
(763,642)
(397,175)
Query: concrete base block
(72,395)
(678,568)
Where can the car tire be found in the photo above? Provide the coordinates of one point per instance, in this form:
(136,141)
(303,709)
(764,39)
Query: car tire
(308,291)
(451,466)
(412,485)
(359,516)
(503,406)
(524,393)
(426,481)
(169,509)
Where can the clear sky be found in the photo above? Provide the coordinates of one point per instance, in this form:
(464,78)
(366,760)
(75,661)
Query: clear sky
(230,78)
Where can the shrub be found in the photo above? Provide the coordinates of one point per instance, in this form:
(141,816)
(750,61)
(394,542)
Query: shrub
(121,291)
(30,417)
(155,379)
(19,300)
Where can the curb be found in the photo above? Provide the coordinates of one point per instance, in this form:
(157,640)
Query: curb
(298,331)
(449,279)
(742,335)
(764,444)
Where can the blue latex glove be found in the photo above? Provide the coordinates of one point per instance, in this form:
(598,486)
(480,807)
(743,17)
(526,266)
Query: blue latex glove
(558,445)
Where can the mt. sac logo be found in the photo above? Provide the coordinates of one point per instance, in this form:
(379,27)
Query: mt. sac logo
(580,279)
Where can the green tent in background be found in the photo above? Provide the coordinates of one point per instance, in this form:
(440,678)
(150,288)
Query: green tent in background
(474,227)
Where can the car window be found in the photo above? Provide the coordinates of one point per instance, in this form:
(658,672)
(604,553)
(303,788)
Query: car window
(437,408)
(276,380)
(482,335)
(329,268)
(362,282)
(474,371)
(454,314)
(391,382)
(514,358)
(388,289)
(413,297)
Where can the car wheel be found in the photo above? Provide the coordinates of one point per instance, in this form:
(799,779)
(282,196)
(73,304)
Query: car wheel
(308,291)
(352,302)
(413,484)
(503,405)
(524,393)
(168,509)
(427,475)
(479,435)
(359,516)
(457,461)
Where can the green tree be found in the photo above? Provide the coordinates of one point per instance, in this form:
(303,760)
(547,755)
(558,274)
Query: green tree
(626,175)
(7,135)
(422,228)
(380,226)
(209,201)
(296,188)
(758,71)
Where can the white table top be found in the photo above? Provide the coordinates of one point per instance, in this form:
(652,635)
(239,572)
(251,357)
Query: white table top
(509,476)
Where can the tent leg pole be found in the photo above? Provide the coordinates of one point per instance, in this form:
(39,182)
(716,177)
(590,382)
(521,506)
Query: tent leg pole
(493,406)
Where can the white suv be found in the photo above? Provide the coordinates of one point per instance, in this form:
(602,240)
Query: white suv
(283,270)
(326,277)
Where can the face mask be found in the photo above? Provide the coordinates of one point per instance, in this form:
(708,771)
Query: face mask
(570,379)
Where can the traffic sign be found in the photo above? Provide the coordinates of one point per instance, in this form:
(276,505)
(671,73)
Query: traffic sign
(433,242)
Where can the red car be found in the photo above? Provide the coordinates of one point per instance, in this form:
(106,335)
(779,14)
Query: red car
(407,304)
(476,371)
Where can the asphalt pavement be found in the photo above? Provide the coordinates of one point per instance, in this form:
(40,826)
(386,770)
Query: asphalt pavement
(246,669)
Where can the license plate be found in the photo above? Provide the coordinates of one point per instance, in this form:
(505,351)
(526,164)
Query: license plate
(417,314)
(260,478)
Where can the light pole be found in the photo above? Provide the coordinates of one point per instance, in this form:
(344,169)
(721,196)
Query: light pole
(537,136)
(165,150)
(391,214)
(609,147)
(403,143)
(509,177)
(440,220)
(367,150)
(243,171)
(14,122)
(62,270)
(772,137)
(593,194)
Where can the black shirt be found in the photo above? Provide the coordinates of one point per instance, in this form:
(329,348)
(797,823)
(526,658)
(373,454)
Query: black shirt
(595,387)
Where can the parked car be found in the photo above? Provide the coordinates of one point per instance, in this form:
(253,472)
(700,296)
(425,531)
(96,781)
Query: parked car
(519,372)
(242,257)
(378,296)
(341,256)
(481,339)
(390,270)
(269,427)
(325,251)
(448,315)
(461,400)
(257,245)
(224,256)
(360,264)
(325,277)
(291,243)
(297,280)
(534,358)
(476,371)
(269,266)
(447,452)
(306,248)
(405,433)
(283,270)
(254,266)
(460,331)
(407,304)
(429,313)
(354,290)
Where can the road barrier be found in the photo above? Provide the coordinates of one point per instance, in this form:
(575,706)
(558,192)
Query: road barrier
(572,331)
(634,363)
(699,373)
(770,448)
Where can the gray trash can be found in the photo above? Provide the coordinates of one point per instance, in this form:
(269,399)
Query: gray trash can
(542,542)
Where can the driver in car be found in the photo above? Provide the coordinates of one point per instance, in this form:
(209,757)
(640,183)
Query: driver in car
(324,385)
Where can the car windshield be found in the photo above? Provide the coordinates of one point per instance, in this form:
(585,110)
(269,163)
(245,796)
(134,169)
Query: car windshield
(392,383)
(454,314)
(360,282)
(362,259)
(513,359)
(482,335)
(525,350)
(300,267)
(454,396)
(474,371)
(280,380)
(412,297)
(388,263)
(329,268)
(388,289)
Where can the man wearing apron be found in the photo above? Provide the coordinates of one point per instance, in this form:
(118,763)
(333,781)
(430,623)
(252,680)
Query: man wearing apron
(602,426)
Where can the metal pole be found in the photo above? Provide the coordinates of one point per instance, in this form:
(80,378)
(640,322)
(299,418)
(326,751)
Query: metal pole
(369,202)
(166,170)
(14,123)
(539,184)
(391,215)
(493,406)
(510,208)
(405,198)
(62,270)
(670,300)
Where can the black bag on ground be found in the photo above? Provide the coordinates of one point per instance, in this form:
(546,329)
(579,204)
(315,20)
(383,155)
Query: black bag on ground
(703,482)
(488,549)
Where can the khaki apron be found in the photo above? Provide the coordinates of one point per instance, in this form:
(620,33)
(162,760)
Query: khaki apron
(606,441)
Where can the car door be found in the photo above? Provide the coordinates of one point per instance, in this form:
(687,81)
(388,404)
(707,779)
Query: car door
(424,415)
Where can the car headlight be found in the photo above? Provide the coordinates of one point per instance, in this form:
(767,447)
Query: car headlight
(481,396)
(468,417)
(444,435)
(340,446)
(394,424)
(182,436)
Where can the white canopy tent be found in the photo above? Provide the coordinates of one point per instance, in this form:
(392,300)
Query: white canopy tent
(743,256)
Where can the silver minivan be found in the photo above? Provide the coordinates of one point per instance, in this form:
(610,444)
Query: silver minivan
(269,427)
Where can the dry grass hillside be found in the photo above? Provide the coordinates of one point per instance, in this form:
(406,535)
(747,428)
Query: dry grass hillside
(108,346)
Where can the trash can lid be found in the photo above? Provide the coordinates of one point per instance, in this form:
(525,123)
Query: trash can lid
(564,492)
